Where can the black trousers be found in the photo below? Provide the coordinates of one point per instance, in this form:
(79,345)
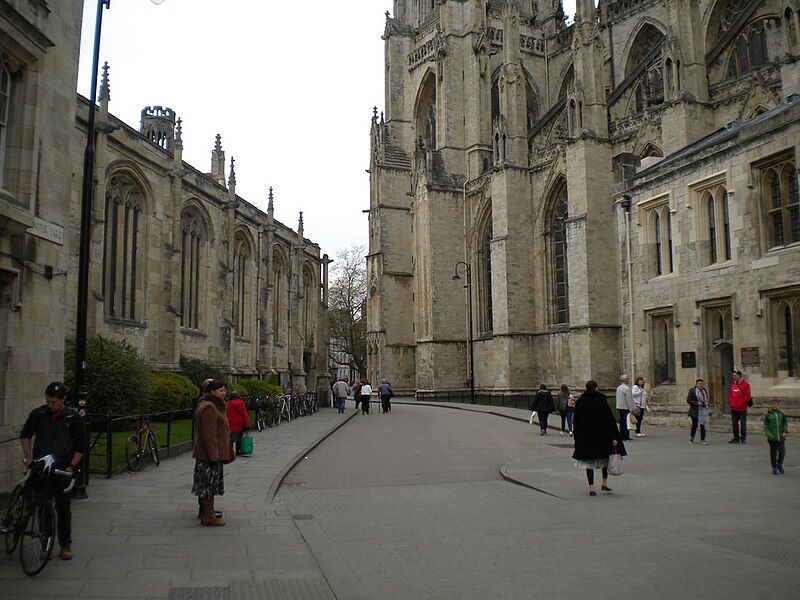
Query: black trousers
(55,489)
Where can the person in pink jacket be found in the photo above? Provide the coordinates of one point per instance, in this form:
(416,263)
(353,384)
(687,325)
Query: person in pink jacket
(739,399)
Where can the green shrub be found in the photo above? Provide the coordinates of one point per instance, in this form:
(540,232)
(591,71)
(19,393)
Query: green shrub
(117,377)
(250,389)
(171,391)
(198,370)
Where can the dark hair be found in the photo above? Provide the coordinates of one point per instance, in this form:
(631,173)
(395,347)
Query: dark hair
(591,385)
(215,384)
(564,388)
(234,395)
(56,390)
(542,386)
(737,372)
(698,380)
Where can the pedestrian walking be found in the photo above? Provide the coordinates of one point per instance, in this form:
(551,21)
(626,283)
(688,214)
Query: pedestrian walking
(357,392)
(624,405)
(366,393)
(776,427)
(566,408)
(739,399)
(340,391)
(543,404)
(385,392)
(596,435)
(698,410)
(238,420)
(639,404)
(212,449)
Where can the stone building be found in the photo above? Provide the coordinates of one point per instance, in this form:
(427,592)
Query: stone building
(180,265)
(621,194)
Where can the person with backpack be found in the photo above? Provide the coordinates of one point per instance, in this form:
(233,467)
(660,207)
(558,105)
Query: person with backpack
(543,404)
(566,408)
(357,392)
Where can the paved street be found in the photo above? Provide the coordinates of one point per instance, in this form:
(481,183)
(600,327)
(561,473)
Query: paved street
(414,505)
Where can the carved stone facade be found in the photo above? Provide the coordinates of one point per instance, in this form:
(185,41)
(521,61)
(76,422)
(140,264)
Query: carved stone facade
(180,265)
(623,189)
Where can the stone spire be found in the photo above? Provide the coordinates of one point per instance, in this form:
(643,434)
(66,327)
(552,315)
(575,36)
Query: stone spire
(218,162)
(105,90)
(178,144)
(270,208)
(232,179)
(300,234)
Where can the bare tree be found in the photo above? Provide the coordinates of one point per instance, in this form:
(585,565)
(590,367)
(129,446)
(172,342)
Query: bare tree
(347,309)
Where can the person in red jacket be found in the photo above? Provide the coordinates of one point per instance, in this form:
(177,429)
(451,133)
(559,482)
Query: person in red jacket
(739,399)
(238,420)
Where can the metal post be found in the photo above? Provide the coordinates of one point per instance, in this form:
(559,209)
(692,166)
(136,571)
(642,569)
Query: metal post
(470,336)
(85,241)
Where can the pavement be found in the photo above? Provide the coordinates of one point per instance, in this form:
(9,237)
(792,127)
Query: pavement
(138,536)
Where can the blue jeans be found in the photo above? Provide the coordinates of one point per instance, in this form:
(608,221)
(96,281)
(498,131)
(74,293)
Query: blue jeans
(739,424)
(340,403)
(566,418)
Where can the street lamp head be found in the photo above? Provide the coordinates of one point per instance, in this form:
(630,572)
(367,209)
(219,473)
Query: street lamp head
(456,276)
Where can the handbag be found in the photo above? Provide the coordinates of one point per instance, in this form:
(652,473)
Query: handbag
(533,416)
(246,445)
(615,464)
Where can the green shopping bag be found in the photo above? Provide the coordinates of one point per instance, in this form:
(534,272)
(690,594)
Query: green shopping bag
(246,445)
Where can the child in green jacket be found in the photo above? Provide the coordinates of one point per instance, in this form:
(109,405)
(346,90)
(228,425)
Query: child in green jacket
(776,427)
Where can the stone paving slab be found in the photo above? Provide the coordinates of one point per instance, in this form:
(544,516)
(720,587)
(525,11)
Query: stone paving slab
(138,536)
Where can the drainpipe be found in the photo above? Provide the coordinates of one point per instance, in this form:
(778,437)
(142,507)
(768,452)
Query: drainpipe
(626,206)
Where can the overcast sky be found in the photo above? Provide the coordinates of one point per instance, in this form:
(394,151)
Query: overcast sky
(289,86)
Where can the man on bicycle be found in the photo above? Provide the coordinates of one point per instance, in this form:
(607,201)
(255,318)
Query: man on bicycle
(56,429)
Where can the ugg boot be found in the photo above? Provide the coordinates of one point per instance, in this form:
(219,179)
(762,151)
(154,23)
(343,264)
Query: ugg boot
(217,513)
(208,517)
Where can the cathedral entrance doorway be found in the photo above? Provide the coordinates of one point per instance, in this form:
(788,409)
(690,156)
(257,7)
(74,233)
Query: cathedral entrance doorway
(719,338)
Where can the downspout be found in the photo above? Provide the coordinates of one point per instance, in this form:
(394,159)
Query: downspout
(626,206)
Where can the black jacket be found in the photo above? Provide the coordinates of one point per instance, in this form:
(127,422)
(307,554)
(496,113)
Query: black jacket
(61,438)
(594,428)
(543,402)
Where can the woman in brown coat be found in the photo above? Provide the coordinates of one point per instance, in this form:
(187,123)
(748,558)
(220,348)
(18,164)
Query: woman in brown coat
(211,450)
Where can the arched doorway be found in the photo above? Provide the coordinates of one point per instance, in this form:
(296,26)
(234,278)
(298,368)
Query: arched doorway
(719,341)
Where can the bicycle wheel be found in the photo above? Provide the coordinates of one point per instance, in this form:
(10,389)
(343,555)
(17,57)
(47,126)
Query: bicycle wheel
(132,453)
(273,415)
(152,446)
(13,519)
(38,536)
(260,420)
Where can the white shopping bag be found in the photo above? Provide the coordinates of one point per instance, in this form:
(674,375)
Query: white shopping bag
(533,415)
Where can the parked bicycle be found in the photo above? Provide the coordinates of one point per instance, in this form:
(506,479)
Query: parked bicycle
(141,444)
(261,414)
(30,520)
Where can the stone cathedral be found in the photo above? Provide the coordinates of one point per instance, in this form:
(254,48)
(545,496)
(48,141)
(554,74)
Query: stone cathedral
(616,195)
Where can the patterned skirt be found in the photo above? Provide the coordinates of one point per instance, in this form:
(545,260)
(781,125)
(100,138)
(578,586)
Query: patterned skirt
(208,479)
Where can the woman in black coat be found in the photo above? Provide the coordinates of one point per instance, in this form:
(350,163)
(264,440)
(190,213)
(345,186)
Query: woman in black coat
(543,404)
(596,434)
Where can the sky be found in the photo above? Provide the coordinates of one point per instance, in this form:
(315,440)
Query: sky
(289,86)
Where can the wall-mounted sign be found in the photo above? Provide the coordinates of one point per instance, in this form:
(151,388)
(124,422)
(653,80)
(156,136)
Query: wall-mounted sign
(688,360)
(750,356)
(47,231)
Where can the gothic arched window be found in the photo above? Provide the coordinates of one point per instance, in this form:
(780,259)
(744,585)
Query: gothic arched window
(278,296)
(558,255)
(193,264)
(426,113)
(484,277)
(123,250)
(242,269)
(782,203)
(750,50)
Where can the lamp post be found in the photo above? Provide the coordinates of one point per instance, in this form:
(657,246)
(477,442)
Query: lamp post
(85,245)
(470,339)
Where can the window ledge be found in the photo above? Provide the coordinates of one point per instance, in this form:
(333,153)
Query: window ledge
(718,266)
(665,277)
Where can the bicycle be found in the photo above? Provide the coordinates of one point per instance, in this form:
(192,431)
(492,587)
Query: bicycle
(261,414)
(30,520)
(141,444)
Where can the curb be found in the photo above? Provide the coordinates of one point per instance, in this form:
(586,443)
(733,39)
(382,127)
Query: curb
(272,490)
